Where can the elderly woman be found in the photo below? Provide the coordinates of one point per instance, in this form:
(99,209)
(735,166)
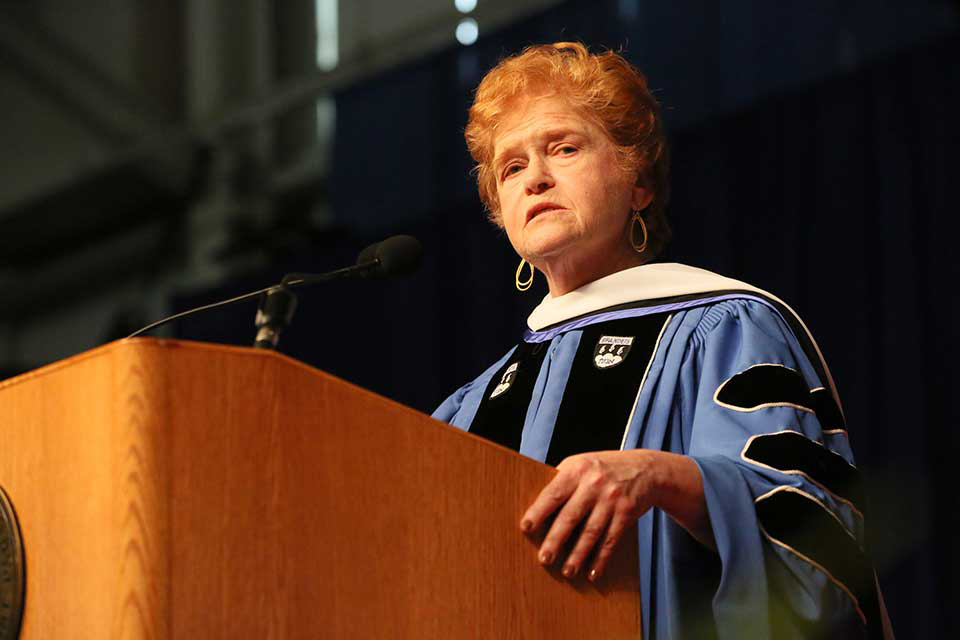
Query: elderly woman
(695,405)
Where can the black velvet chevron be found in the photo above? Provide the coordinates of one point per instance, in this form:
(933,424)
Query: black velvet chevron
(806,527)
(764,384)
(791,451)
(773,384)
(828,413)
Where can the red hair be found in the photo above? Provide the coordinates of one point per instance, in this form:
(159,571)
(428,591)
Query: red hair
(605,88)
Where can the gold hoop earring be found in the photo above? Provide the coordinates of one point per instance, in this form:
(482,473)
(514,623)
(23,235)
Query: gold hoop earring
(524,285)
(641,246)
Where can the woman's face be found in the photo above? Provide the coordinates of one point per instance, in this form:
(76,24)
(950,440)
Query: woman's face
(564,199)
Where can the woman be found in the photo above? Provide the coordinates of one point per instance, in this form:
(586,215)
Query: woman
(696,405)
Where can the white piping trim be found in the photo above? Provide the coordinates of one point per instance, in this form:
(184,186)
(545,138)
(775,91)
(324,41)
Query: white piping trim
(787,487)
(811,561)
(656,347)
(798,472)
(823,361)
(765,405)
(829,432)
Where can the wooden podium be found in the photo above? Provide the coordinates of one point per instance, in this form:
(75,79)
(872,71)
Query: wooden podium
(179,490)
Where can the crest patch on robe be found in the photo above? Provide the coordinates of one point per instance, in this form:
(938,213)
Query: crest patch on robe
(611,351)
(506,380)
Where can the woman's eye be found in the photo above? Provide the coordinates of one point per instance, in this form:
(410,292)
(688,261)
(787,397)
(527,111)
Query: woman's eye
(512,169)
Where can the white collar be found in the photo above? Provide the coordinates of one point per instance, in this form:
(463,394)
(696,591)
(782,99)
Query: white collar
(650,282)
(646,282)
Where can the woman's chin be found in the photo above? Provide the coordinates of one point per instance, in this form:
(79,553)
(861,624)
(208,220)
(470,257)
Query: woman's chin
(549,243)
(546,251)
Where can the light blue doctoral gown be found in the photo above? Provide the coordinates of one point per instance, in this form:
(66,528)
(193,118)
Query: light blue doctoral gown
(756,584)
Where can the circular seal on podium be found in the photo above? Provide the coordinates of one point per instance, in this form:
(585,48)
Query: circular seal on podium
(11,571)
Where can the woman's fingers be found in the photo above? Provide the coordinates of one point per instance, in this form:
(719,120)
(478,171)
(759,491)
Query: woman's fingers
(571,515)
(601,493)
(551,498)
(592,532)
(621,519)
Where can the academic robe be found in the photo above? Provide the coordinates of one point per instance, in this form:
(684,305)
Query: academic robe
(670,357)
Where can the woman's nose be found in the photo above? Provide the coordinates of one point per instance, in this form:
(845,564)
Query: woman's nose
(538,177)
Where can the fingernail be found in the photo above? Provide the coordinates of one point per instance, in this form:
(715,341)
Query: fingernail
(594,574)
(546,557)
(569,571)
(526,525)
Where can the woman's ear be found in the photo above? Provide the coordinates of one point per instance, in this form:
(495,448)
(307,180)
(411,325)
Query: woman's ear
(640,197)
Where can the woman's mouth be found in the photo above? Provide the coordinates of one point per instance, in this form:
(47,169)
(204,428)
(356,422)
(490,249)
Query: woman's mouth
(541,208)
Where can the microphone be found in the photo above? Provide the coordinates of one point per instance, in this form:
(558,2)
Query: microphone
(397,255)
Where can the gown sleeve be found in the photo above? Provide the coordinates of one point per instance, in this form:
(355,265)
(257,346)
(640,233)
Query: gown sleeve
(782,492)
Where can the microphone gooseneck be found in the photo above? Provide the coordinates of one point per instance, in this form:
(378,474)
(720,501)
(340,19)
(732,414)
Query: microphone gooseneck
(397,255)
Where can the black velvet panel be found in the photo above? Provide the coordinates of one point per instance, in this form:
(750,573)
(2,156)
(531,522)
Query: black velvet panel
(828,413)
(764,384)
(791,451)
(597,402)
(500,419)
(806,527)
(773,384)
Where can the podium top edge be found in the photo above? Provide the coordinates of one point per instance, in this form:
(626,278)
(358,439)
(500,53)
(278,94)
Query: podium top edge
(149,343)
(169,345)
(144,344)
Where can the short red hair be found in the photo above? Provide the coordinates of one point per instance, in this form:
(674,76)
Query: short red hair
(607,89)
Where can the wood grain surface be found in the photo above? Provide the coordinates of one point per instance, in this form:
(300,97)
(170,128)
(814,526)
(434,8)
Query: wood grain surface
(180,490)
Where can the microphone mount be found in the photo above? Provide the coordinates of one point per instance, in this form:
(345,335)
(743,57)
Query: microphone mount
(275,311)
(274,314)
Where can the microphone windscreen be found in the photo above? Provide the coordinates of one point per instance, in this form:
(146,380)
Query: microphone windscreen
(397,255)
(368,255)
